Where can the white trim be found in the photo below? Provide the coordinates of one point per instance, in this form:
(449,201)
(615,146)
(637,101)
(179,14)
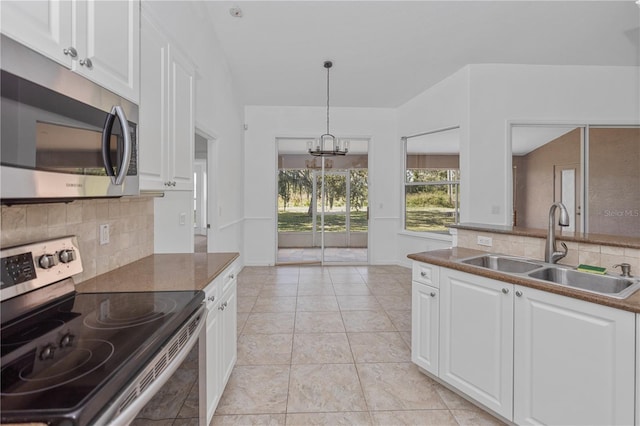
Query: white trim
(426,235)
(227,225)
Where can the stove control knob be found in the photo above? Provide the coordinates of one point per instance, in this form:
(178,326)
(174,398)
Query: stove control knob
(47,352)
(67,256)
(47,261)
(66,341)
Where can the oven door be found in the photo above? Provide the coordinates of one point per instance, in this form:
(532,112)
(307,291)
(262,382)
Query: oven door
(124,408)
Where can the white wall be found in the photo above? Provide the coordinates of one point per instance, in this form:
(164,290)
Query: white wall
(444,105)
(265,124)
(217,112)
(503,93)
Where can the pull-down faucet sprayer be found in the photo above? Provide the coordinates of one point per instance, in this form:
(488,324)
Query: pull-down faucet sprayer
(551,253)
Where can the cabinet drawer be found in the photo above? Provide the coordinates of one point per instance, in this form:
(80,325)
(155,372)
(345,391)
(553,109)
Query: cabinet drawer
(230,275)
(425,273)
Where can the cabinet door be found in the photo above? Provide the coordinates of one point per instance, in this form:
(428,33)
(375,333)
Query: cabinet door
(229,332)
(425,326)
(476,338)
(573,361)
(181,122)
(210,380)
(154,87)
(108,34)
(44,26)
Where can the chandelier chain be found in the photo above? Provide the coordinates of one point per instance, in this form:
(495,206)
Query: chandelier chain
(328,68)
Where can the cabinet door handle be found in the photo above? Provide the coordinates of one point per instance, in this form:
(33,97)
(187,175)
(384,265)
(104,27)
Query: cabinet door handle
(232,276)
(70,51)
(211,298)
(432,294)
(86,63)
(518,293)
(423,274)
(505,290)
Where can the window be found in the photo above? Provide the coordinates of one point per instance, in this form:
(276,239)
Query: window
(432,181)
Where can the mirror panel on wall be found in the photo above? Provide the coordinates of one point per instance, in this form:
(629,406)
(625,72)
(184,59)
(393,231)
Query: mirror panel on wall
(593,170)
(614,181)
(432,181)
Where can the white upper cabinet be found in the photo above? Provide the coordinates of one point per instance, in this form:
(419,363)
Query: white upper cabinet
(181,127)
(166,113)
(97,39)
(109,37)
(44,26)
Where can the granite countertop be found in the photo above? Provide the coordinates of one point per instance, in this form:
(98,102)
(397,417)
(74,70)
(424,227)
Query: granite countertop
(611,240)
(449,259)
(161,272)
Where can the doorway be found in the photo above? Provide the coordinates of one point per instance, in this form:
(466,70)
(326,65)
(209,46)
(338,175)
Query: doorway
(322,205)
(201,192)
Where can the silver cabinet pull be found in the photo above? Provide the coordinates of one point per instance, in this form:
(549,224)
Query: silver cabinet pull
(423,274)
(505,290)
(86,63)
(518,293)
(70,51)
(432,294)
(211,298)
(232,276)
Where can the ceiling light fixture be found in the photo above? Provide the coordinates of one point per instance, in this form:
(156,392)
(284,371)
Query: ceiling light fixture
(318,147)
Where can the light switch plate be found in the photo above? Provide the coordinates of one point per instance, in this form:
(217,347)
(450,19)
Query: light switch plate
(104,234)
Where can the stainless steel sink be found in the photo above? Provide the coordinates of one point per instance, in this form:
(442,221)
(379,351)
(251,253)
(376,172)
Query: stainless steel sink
(604,284)
(503,263)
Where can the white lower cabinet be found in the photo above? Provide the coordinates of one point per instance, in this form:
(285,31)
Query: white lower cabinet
(573,361)
(218,342)
(531,356)
(425,318)
(476,338)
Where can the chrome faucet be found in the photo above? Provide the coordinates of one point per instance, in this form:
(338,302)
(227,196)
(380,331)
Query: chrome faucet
(551,253)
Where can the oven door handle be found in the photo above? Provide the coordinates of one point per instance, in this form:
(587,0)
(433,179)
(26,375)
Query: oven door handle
(123,168)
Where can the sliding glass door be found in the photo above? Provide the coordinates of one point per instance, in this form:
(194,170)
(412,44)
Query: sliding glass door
(322,208)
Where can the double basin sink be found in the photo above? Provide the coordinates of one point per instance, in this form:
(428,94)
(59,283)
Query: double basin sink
(608,285)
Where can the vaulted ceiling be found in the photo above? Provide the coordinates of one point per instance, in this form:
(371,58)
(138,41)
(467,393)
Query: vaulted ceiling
(386,52)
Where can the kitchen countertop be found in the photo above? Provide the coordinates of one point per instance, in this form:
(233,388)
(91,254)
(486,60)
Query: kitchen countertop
(161,272)
(449,258)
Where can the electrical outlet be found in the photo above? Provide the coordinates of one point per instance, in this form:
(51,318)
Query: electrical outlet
(183,218)
(485,241)
(104,234)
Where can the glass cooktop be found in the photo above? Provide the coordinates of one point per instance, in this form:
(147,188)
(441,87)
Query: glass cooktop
(70,358)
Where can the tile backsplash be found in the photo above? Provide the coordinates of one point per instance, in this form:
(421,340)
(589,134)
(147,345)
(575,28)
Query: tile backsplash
(533,247)
(130,223)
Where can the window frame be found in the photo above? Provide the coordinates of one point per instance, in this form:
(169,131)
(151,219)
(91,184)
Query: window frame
(432,234)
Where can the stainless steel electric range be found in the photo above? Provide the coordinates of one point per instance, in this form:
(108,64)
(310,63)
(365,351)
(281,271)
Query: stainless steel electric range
(73,358)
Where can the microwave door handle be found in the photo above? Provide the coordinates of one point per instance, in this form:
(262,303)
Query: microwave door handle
(126,157)
(106,145)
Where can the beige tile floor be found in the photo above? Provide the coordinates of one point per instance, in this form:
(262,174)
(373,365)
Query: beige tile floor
(320,346)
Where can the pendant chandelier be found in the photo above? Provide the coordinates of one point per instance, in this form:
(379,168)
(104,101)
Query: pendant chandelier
(328,145)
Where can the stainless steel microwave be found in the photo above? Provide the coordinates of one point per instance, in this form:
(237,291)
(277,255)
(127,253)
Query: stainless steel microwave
(62,137)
